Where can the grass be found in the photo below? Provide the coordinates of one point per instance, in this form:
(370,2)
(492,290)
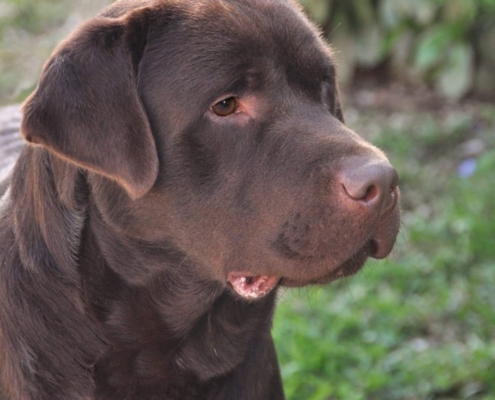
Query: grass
(420,325)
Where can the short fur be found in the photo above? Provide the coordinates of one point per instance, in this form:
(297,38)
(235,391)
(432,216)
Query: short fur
(134,202)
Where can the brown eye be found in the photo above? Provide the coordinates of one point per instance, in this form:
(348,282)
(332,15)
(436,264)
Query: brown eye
(225,107)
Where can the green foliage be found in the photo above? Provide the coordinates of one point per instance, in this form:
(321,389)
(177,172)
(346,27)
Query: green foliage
(448,43)
(422,325)
(29,30)
(21,23)
(32,17)
(436,40)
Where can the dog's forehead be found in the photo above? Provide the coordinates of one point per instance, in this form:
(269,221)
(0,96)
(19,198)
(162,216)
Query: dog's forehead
(215,39)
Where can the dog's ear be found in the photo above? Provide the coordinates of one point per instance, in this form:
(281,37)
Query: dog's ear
(86,108)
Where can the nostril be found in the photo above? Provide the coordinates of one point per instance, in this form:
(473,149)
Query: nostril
(361,193)
(371,193)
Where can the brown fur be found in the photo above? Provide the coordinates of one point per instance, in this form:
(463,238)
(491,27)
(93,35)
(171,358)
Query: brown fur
(134,202)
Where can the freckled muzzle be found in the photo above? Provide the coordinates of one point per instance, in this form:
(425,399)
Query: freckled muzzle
(326,204)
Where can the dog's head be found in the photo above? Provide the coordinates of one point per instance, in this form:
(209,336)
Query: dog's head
(215,125)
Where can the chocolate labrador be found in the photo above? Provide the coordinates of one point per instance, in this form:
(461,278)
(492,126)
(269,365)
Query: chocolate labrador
(186,159)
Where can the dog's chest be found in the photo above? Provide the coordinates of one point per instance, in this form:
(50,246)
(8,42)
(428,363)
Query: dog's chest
(158,366)
(165,340)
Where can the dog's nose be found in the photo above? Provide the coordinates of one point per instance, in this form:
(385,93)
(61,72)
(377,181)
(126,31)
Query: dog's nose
(371,183)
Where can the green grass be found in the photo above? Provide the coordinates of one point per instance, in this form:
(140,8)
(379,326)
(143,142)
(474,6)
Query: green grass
(420,325)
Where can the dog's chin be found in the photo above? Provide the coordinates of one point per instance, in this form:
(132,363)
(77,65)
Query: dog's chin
(350,267)
(253,287)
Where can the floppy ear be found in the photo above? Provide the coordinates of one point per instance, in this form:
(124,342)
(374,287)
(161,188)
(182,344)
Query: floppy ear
(86,108)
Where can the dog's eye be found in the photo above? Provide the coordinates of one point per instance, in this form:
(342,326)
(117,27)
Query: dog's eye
(225,107)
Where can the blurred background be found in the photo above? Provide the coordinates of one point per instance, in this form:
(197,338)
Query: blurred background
(418,80)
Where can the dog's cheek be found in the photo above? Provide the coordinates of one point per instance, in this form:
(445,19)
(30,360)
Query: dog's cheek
(198,159)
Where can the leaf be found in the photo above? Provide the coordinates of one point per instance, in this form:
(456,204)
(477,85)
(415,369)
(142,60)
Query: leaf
(424,13)
(456,78)
(394,12)
(369,46)
(432,45)
(463,11)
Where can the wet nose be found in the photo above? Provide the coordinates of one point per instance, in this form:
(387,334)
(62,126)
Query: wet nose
(371,183)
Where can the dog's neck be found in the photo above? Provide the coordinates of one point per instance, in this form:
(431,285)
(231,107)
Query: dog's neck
(44,193)
(162,329)
(181,310)
(47,218)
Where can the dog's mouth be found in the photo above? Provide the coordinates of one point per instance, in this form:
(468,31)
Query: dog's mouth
(252,286)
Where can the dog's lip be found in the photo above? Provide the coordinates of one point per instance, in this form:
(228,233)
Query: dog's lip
(384,237)
(252,286)
(349,267)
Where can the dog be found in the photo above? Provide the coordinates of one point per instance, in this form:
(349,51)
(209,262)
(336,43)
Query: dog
(185,160)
